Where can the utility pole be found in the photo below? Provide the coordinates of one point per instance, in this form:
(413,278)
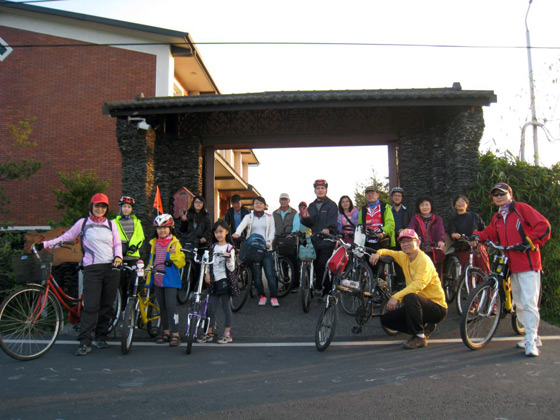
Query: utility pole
(534,122)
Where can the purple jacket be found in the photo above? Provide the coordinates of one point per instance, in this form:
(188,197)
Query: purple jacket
(96,251)
(433,234)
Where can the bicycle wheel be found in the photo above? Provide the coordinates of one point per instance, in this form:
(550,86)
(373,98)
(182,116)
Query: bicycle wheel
(472,278)
(128,326)
(27,328)
(387,330)
(187,274)
(245,284)
(326,325)
(284,276)
(481,316)
(364,276)
(451,276)
(154,317)
(516,323)
(192,326)
(305,288)
(116,311)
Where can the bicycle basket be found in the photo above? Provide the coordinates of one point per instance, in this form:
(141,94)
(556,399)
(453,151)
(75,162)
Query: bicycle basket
(28,269)
(338,260)
(286,245)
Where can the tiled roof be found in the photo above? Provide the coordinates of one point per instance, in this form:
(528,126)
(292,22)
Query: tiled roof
(303,99)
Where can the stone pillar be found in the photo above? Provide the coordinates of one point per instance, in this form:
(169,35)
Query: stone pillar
(441,160)
(137,148)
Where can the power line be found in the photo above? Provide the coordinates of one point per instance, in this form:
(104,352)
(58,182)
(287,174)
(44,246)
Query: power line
(258,43)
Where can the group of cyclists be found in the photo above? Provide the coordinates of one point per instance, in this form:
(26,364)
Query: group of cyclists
(415,241)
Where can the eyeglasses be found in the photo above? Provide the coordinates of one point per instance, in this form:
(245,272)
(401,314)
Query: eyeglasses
(498,194)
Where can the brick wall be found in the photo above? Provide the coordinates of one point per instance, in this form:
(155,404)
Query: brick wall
(64,88)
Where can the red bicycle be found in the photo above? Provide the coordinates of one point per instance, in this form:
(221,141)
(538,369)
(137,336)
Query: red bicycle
(32,317)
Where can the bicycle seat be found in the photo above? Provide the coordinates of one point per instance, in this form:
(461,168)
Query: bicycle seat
(385,259)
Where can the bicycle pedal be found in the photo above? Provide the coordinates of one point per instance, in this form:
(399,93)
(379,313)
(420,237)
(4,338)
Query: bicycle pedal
(356,329)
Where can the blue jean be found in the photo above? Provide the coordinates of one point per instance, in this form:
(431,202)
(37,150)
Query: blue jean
(268,265)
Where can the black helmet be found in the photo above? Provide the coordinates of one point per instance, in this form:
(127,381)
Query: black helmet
(397,189)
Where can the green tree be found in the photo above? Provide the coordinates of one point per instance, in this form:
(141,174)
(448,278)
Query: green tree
(75,196)
(11,169)
(359,197)
(539,187)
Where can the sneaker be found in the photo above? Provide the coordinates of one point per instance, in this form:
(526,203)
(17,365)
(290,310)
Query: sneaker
(82,350)
(521,344)
(274,302)
(532,351)
(262,301)
(226,338)
(206,338)
(100,343)
(415,342)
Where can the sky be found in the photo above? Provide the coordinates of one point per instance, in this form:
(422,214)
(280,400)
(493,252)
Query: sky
(257,68)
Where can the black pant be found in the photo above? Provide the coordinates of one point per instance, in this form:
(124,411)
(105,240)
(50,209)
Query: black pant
(415,312)
(323,255)
(100,287)
(167,301)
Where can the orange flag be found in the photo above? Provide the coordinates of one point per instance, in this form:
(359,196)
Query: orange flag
(157,201)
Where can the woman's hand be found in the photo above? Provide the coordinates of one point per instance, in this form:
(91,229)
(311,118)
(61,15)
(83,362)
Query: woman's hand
(392,303)
(207,278)
(235,236)
(268,246)
(184,215)
(441,245)
(202,240)
(455,235)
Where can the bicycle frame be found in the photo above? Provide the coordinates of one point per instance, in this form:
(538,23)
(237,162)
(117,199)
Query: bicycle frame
(200,312)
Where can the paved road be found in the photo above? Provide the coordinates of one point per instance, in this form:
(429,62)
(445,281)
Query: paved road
(273,370)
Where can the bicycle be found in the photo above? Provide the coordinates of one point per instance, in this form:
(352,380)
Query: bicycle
(198,317)
(245,284)
(141,309)
(31,318)
(284,273)
(470,278)
(373,298)
(187,275)
(357,274)
(306,274)
(489,302)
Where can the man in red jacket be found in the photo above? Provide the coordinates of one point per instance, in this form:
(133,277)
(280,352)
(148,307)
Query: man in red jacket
(513,224)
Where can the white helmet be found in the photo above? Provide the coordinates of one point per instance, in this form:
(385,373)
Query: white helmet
(164,220)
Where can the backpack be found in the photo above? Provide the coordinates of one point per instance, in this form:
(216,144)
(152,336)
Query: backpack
(253,250)
(83,232)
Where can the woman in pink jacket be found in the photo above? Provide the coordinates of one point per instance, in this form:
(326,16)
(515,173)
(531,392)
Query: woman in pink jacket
(102,250)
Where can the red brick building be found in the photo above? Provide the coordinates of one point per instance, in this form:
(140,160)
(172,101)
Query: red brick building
(59,68)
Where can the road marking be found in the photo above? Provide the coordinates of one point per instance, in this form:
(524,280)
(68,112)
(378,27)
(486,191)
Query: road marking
(312,344)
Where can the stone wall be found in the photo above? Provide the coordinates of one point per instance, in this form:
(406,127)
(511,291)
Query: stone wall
(151,160)
(441,161)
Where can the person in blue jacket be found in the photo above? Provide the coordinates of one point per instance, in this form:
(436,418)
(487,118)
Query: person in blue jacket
(167,259)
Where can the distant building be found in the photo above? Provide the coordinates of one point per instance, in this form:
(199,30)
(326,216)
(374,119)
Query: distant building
(59,68)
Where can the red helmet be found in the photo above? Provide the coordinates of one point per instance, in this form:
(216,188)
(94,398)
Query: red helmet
(320,183)
(99,198)
(164,220)
(125,199)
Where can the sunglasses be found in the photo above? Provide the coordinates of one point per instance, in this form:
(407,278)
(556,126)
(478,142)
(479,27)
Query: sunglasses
(498,194)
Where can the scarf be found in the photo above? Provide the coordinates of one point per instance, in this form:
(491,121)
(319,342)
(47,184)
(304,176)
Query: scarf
(259,214)
(504,210)
(373,205)
(164,242)
(97,219)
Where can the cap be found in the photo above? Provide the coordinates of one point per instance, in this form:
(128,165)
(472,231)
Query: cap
(408,233)
(284,195)
(236,198)
(302,204)
(502,186)
(99,198)
(372,188)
